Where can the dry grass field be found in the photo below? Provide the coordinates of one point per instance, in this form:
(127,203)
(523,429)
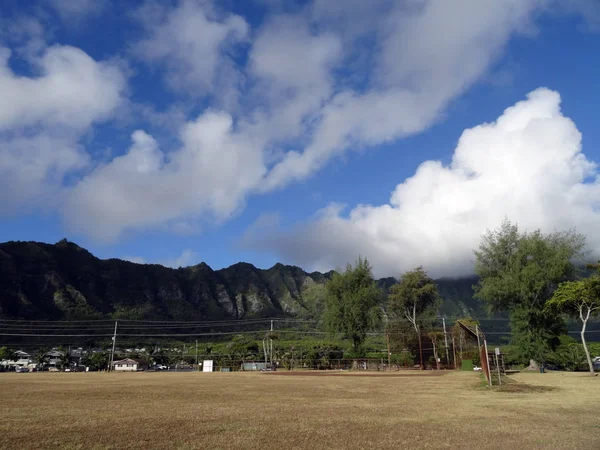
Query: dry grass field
(253,410)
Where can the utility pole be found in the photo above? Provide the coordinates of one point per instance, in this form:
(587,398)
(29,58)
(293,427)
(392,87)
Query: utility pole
(197,365)
(446,340)
(112,355)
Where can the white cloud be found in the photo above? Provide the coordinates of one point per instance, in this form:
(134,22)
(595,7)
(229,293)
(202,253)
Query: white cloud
(186,258)
(317,82)
(74,10)
(291,67)
(135,259)
(72,90)
(192,40)
(527,166)
(430,52)
(210,173)
(42,118)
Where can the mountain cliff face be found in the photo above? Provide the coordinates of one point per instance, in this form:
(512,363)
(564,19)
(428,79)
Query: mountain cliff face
(65,281)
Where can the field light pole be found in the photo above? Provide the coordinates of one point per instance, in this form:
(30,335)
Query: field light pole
(112,355)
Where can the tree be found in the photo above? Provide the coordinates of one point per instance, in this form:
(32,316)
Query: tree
(352,303)
(437,338)
(97,360)
(518,272)
(414,298)
(578,298)
(7,354)
(568,355)
(242,346)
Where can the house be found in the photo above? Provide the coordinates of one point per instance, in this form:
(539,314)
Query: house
(127,365)
(21,360)
(596,363)
(55,358)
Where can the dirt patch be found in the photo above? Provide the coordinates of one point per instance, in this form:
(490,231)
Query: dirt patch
(326,373)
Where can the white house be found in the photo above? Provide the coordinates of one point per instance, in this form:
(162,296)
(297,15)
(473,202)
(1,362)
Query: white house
(21,360)
(126,365)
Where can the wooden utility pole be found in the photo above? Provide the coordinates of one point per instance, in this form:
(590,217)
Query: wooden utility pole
(487,362)
(112,355)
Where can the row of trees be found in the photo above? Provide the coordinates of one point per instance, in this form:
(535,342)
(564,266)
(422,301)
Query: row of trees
(353,304)
(532,276)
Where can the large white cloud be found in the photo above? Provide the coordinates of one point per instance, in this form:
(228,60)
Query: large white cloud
(42,118)
(429,52)
(527,166)
(210,173)
(307,84)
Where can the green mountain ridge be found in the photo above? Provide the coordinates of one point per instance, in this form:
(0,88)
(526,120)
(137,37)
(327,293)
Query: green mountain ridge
(63,281)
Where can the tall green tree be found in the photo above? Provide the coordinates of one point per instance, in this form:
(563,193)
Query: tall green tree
(581,299)
(518,272)
(7,354)
(353,303)
(414,298)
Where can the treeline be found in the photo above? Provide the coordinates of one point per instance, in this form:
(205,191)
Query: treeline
(531,276)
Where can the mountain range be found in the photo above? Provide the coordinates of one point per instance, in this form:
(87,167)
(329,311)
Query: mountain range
(63,281)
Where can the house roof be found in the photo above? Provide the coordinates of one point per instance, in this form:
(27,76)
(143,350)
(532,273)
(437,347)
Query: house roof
(126,361)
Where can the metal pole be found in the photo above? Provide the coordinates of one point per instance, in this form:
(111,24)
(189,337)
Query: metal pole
(446,340)
(112,355)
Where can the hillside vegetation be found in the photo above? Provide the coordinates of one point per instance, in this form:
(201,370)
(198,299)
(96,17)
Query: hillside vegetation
(65,281)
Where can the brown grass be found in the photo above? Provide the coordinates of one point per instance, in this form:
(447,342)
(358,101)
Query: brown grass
(252,410)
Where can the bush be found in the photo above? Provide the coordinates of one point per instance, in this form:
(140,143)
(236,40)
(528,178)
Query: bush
(568,355)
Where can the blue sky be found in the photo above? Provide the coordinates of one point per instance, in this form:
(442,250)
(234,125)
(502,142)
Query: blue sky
(303,132)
